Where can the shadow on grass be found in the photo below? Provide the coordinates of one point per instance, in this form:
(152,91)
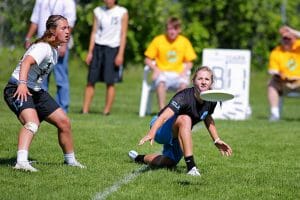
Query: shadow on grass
(12,161)
(8,161)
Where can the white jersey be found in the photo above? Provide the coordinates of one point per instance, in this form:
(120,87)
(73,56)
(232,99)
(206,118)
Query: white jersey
(44,8)
(109,24)
(45,57)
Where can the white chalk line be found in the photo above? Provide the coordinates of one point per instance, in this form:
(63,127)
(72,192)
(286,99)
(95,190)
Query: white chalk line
(104,194)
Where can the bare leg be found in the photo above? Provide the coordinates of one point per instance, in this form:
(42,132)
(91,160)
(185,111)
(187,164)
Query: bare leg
(161,94)
(182,130)
(26,136)
(88,97)
(273,97)
(59,119)
(110,97)
(274,102)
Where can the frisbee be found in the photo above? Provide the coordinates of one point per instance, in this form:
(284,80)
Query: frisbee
(216,95)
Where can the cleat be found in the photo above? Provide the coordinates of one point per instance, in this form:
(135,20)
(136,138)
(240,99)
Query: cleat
(194,172)
(25,166)
(75,164)
(132,155)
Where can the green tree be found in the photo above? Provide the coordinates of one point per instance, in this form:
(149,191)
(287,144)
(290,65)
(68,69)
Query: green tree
(236,24)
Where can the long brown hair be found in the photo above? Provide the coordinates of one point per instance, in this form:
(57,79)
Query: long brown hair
(51,25)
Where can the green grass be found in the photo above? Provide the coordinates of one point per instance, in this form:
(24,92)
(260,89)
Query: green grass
(265,163)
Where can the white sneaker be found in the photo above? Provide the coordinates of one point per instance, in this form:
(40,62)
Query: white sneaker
(274,118)
(194,172)
(25,166)
(132,155)
(76,164)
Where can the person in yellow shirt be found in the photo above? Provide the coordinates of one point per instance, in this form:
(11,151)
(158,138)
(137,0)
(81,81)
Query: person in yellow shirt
(170,56)
(284,66)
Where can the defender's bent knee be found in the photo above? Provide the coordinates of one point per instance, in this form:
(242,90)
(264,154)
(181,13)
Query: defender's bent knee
(32,127)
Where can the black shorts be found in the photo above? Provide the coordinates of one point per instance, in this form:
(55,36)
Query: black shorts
(41,101)
(102,67)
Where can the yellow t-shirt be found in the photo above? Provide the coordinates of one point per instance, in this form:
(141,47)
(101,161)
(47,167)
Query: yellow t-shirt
(170,56)
(286,63)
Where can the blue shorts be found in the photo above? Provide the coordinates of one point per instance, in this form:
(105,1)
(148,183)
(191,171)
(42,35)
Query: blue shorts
(171,148)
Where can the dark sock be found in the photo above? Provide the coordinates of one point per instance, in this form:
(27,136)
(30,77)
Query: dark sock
(190,163)
(140,159)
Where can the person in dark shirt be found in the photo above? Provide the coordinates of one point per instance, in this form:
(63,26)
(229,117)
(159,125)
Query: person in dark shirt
(173,125)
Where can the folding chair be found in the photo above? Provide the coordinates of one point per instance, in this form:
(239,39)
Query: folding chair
(147,91)
(147,88)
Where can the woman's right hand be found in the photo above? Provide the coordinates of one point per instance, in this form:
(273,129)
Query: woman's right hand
(146,138)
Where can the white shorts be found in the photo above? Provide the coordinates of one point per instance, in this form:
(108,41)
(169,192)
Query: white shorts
(172,80)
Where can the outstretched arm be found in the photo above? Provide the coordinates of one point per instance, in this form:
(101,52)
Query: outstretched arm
(167,114)
(224,148)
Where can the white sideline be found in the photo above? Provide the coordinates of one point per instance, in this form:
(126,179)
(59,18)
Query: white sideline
(104,194)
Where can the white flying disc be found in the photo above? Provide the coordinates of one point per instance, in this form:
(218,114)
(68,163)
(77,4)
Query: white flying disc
(216,95)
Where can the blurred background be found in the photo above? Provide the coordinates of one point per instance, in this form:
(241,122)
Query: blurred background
(233,24)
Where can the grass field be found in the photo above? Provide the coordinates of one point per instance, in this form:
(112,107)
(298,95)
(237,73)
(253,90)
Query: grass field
(265,163)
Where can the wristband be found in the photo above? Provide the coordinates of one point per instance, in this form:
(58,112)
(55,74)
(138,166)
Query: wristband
(22,82)
(217,140)
(27,39)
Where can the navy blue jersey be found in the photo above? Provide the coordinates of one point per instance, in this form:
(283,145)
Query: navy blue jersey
(185,103)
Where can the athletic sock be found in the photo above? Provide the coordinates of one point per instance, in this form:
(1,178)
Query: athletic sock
(69,158)
(22,155)
(275,112)
(140,159)
(190,163)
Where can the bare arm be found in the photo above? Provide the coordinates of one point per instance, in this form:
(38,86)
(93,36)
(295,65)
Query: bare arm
(224,148)
(22,90)
(187,68)
(31,31)
(92,42)
(151,63)
(120,56)
(167,114)
(291,30)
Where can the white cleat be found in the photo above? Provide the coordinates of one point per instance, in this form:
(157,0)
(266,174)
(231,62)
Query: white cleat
(132,155)
(76,164)
(194,172)
(25,166)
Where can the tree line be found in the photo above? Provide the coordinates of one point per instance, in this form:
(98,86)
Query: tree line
(232,24)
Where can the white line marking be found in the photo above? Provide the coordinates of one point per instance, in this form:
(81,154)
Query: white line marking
(118,184)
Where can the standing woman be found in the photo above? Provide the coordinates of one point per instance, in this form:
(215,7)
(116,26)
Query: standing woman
(106,51)
(30,103)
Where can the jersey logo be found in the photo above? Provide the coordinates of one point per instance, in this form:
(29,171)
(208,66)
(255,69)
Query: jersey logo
(175,104)
(114,21)
(172,56)
(203,116)
(18,104)
(291,64)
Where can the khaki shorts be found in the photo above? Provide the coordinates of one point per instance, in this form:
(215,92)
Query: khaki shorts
(284,86)
(172,80)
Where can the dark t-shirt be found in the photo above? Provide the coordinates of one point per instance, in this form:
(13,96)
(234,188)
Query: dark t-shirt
(185,103)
